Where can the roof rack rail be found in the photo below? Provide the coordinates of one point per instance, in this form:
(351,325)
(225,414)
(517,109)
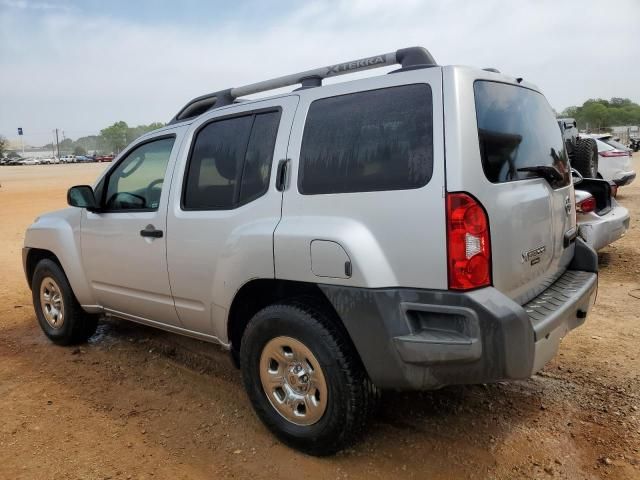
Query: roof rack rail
(411,57)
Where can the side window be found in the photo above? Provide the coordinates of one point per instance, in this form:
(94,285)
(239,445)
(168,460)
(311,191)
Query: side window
(368,141)
(259,157)
(136,182)
(230,163)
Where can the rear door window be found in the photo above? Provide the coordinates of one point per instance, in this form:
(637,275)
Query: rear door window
(230,163)
(368,141)
(517,129)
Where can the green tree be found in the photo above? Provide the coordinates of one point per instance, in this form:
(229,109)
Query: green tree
(115,136)
(79,150)
(135,132)
(597,113)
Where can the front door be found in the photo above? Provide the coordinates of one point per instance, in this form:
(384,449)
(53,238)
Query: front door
(124,246)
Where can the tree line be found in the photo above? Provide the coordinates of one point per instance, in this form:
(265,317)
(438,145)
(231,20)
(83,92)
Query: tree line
(597,114)
(111,139)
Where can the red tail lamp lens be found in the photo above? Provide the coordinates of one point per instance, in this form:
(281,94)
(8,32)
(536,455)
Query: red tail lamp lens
(468,244)
(587,205)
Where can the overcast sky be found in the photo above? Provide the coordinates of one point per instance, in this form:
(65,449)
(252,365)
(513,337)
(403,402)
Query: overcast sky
(82,65)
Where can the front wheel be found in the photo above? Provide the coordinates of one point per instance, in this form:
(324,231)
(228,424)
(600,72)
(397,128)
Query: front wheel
(59,314)
(304,378)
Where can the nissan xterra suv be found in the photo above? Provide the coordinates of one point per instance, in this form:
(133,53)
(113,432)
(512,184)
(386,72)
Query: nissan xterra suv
(404,231)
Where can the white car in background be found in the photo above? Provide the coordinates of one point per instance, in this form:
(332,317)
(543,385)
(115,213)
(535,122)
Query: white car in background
(600,218)
(49,160)
(29,161)
(614,160)
(68,159)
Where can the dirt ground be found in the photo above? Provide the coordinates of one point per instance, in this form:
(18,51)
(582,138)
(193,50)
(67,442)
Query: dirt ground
(137,403)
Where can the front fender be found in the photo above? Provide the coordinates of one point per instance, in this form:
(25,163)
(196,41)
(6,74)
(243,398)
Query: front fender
(59,233)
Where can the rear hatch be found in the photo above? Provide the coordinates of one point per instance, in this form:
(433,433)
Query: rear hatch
(529,197)
(612,161)
(600,190)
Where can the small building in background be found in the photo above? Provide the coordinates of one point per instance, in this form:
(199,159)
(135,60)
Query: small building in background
(625,132)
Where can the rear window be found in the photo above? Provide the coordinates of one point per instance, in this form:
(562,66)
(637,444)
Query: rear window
(614,144)
(517,129)
(368,141)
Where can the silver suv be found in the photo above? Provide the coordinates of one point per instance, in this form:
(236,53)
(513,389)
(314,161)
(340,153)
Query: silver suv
(404,231)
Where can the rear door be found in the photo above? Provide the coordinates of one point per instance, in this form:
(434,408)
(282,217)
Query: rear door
(365,201)
(224,208)
(506,127)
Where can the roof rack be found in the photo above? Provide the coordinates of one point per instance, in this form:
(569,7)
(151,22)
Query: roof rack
(408,58)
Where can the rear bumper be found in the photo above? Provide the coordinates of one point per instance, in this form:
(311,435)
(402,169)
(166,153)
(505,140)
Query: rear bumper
(599,232)
(624,178)
(424,339)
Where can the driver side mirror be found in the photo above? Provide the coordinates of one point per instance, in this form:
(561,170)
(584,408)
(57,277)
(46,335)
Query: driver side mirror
(82,196)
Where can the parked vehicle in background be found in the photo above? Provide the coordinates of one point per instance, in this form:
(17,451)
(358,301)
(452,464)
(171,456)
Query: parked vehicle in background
(83,158)
(104,158)
(323,236)
(601,219)
(614,163)
(582,151)
(28,161)
(49,160)
(68,159)
(634,144)
(611,141)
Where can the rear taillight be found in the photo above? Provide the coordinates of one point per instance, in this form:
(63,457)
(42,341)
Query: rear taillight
(587,205)
(468,243)
(613,153)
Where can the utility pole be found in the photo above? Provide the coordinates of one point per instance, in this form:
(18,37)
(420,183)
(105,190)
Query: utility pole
(57,143)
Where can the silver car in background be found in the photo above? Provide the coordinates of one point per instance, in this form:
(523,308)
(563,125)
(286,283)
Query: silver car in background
(601,219)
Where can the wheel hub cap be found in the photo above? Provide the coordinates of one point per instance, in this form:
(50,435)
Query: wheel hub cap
(51,302)
(293,381)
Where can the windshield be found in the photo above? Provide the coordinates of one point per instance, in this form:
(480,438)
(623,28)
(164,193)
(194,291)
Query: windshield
(517,129)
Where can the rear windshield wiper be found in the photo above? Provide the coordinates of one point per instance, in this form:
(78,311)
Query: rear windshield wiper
(549,173)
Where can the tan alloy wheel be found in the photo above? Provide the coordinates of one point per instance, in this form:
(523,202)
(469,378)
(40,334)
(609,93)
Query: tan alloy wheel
(51,302)
(293,381)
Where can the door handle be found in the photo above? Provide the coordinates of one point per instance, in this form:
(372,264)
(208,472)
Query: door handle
(281,174)
(150,231)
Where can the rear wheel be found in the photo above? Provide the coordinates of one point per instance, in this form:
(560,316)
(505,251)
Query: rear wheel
(585,158)
(59,314)
(304,378)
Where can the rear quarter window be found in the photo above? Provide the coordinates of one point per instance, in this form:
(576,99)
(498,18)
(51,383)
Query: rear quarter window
(517,129)
(368,141)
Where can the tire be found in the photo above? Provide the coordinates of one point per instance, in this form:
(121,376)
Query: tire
(59,314)
(340,395)
(585,158)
